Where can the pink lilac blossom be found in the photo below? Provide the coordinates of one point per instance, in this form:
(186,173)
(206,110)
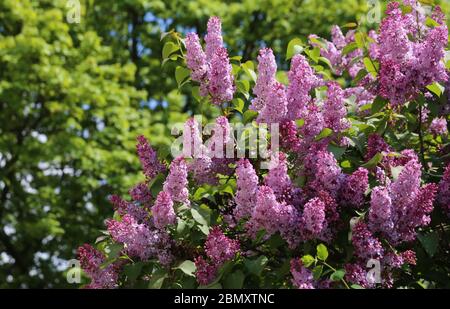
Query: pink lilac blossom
(219,247)
(135,237)
(393,260)
(212,159)
(273,217)
(323,170)
(376,144)
(302,80)
(277,178)
(275,109)
(176,182)
(405,156)
(196,58)
(332,217)
(163,212)
(149,158)
(212,69)
(141,194)
(438,126)
(265,214)
(365,244)
(289,220)
(247,188)
(402,206)
(267,68)
(405,189)
(220,138)
(334,111)
(314,217)
(289,139)
(91,260)
(353,188)
(202,164)
(418,214)
(213,38)
(334,51)
(362,96)
(356,274)
(412,53)
(444,191)
(302,277)
(425,114)
(205,271)
(313,122)
(220,87)
(409,257)
(381,211)
(202,168)
(139,240)
(192,139)
(123,207)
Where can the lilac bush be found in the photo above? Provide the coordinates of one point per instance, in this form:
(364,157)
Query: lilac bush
(360,177)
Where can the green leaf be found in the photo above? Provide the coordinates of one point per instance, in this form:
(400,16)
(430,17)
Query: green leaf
(239,105)
(338,275)
(314,54)
(325,133)
(235,280)
(322,252)
(317,272)
(436,88)
(164,34)
(181,226)
(431,23)
(198,217)
(255,267)
(338,152)
(308,260)
(370,66)
(429,242)
(132,271)
(378,104)
(168,49)
(361,74)
(359,39)
(196,93)
(382,125)
(356,287)
(350,25)
(204,229)
(114,250)
(181,75)
(326,61)
(349,48)
(249,116)
(249,69)
(157,279)
(374,161)
(243,87)
(295,47)
(188,267)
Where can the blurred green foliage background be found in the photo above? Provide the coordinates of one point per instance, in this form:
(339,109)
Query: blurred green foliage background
(73,97)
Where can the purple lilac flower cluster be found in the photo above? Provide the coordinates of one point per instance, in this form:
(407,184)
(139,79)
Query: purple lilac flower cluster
(334,51)
(211,69)
(411,52)
(305,195)
(219,249)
